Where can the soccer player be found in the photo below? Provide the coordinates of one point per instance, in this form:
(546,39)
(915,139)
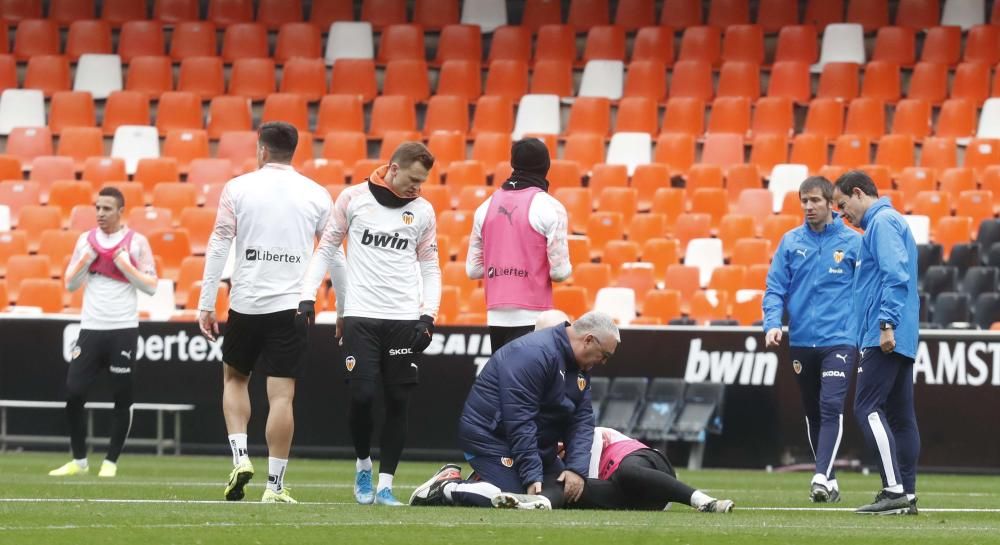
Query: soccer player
(885,298)
(273,214)
(811,277)
(386,324)
(531,395)
(627,474)
(111,261)
(518,244)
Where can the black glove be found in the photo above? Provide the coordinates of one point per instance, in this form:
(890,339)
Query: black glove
(305,316)
(423,330)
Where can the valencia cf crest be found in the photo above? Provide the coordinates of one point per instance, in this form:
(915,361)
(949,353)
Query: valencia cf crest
(408,218)
(797,366)
(838,256)
(507,462)
(349,363)
(581,382)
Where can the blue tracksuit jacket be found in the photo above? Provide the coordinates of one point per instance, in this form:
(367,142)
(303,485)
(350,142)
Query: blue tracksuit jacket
(529,396)
(812,276)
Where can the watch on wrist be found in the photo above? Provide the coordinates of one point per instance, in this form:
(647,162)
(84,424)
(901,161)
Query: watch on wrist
(886,325)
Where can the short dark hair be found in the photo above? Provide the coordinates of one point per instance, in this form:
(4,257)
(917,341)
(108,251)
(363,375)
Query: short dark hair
(113,192)
(410,152)
(856,179)
(280,139)
(820,183)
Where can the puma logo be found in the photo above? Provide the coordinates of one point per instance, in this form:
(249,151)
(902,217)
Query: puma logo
(509,213)
(842,357)
(562,373)
(513,183)
(127,354)
(801,252)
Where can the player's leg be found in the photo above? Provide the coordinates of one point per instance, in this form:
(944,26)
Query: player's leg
(837,366)
(283,363)
(83,368)
(496,476)
(903,421)
(362,347)
(876,377)
(807,366)
(648,483)
(601,494)
(500,335)
(123,345)
(241,346)
(400,374)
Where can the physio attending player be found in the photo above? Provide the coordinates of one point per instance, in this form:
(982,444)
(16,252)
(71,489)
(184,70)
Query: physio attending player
(627,474)
(885,298)
(273,214)
(518,245)
(387,318)
(113,262)
(531,395)
(811,279)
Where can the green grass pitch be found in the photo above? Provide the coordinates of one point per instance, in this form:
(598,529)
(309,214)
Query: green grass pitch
(175,500)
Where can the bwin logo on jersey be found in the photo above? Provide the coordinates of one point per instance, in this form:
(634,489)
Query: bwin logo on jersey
(384,240)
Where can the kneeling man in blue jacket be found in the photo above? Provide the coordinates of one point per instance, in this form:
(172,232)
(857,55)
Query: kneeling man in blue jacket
(532,394)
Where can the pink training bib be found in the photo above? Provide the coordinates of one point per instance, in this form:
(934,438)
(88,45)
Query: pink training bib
(105,263)
(515,256)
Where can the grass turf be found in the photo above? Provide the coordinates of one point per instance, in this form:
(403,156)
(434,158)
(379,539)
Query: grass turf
(173,500)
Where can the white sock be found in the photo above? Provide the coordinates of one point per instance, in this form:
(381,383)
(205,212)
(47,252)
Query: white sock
(276,473)
(898,489)
(363,465)
(819,478)
(82,462)
(384,481)
(911,497)
(700,498)
(832,485)
(109,463)
(448,489)
(238,443)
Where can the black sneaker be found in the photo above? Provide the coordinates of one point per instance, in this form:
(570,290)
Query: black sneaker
(913,507)
(432,491)
(886,503)
(819,493)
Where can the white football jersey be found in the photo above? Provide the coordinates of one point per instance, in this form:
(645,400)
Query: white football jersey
(274,214)
(387,251)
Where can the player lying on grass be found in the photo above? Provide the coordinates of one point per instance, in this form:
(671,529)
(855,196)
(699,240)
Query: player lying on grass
(627,474)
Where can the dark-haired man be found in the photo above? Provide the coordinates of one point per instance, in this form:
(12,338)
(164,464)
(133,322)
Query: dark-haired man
(273,215)
(112,262)
(811,277)
(518,245)
(385,314)
(885,298)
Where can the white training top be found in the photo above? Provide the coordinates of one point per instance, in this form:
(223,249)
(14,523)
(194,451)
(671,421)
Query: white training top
(274,214)
(385,246)
(547,217)
(109,303)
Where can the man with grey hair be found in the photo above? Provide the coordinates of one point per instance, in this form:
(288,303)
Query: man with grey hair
(532,394)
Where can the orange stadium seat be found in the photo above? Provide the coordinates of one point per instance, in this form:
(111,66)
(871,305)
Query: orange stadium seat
(929,81)
(655,43)
(98,170)
(186,146)
(604,42)
(773,115)
(175,11)
(340,113)
(26,143)
(224,13)
(603,227)
(690,226)
(305,77)
(354,77)
(681,13)
(175,197)
(775,227)
(767,150)
(297,39)
(739,79)
(952,230)
(48,73)
(669,201)
(701,43)
(896,45)
(981,45)
(942,45)
(851,151)
(661,252)
(392,113)
(44,293)
(838,80)
(933,204)
(751,251)
(459,42)
(139,38)
(65,194)
(881,81)
(507,78)
(619,252)
(733,227)
(727,279)
(979,154)
(35,37)
(510,43)
(199,223)
(756,277)
(692,78)
(228,114)
(447,113)
(972,82)
(202,76)
(748,311)
(564,174)
(895,151)
(975,204)
(790,79)
(193,39)
(823,12)
(407,77)
(912,118)
(24,267)
(125,108)
(33,219)
(774,15)
(460,77)
(381,13)
(151,75)
(825,117)
(178,110)
(253,78)
(153,170)
(685,280)
(957,119)
(401,41)
(58,246)
(88,36)
(346,147)
(917,14)
(11,243)
(938,153)
(552,77)
(636,114)
(15,11)
(797,43)
(287,107)
(172,246)
(639,277)
(275,13)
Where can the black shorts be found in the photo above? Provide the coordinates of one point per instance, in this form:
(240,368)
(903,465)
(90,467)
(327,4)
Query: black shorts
(97,349)
(271,338)
(374,347)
